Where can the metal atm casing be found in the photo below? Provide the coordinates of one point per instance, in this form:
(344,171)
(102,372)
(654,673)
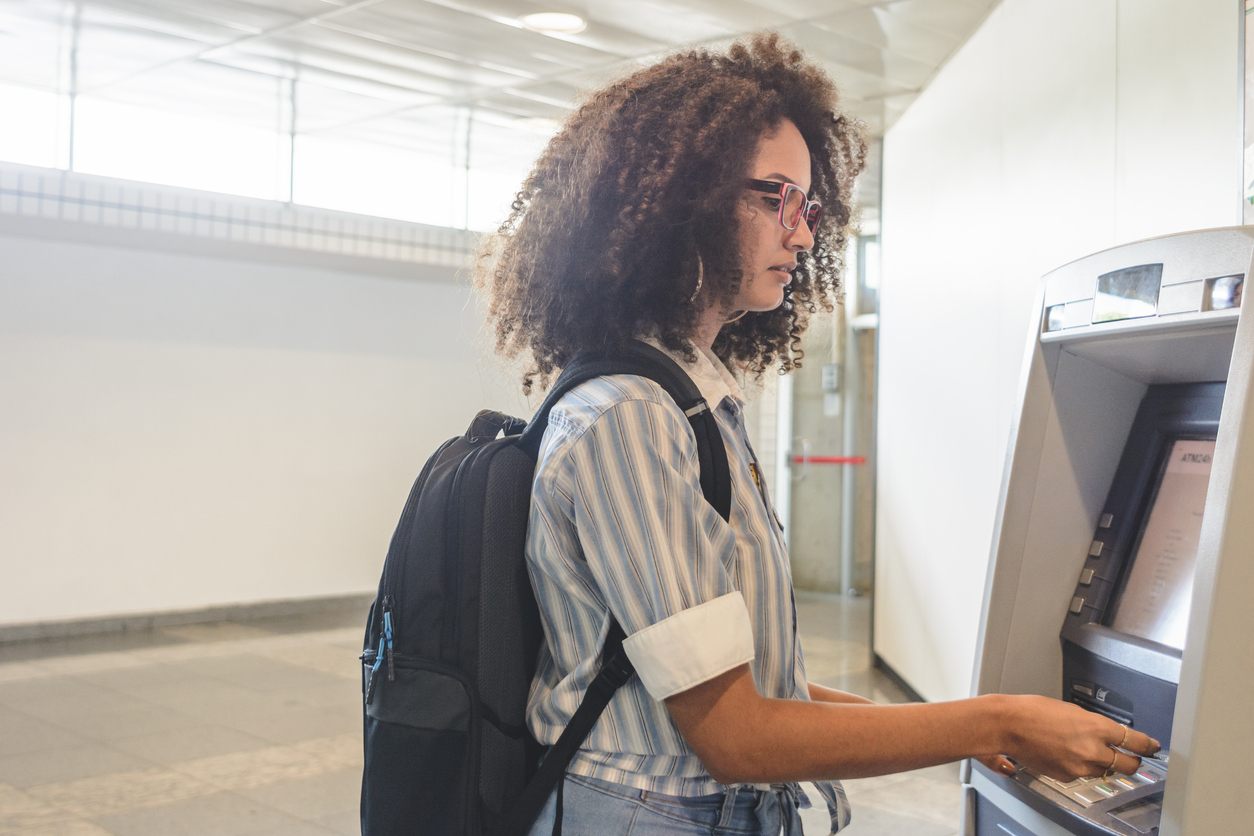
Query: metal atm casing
(1080,390)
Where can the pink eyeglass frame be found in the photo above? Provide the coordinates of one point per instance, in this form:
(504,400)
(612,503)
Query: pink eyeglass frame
(811,210)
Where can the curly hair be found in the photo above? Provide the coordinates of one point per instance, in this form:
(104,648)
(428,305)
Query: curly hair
(603,239)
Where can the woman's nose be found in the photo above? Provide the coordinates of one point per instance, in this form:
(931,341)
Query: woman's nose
(799,239)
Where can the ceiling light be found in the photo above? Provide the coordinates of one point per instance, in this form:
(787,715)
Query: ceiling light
(555,23)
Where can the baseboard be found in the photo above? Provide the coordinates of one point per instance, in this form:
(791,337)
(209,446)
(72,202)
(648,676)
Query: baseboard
(140,622)
(888,671)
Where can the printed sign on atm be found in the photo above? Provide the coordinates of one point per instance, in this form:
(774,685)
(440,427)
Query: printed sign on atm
(1155,602)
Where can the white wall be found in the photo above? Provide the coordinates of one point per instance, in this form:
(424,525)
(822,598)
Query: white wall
(1062,127)
(181,430)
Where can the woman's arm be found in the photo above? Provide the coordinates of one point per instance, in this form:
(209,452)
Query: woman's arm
(821,693)
(742,736)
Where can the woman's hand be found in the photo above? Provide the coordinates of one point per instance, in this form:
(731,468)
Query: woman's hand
(1066,742)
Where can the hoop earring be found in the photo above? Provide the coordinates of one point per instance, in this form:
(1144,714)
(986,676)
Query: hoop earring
(735,318)
(700,279)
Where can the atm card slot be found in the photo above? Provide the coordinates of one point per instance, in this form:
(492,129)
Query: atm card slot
(1102,709)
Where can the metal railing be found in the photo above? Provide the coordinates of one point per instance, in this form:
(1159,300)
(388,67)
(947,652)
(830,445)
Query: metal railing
(104,201)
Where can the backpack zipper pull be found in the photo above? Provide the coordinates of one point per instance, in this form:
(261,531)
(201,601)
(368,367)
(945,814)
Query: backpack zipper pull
(374,672)
(387,637)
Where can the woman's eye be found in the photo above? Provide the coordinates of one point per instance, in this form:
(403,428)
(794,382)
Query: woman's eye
(772,202)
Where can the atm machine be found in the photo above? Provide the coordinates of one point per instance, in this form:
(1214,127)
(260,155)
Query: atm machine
(1122,568)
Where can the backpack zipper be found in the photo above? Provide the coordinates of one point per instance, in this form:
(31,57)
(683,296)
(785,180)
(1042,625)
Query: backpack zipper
(452,575)
(391,568)
(384,651)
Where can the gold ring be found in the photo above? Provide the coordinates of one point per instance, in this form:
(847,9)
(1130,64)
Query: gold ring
(1124,742)
(1113,761)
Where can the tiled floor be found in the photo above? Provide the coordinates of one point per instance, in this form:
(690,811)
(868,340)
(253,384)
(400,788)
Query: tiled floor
(255,728)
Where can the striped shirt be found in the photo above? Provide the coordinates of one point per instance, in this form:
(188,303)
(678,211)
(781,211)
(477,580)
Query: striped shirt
(619,524)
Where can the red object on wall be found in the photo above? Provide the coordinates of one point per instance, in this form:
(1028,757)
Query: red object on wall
(829,459)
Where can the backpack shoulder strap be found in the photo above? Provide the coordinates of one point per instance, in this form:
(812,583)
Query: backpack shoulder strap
(646,361)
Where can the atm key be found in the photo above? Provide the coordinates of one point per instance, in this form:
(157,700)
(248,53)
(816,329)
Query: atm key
(1089,795)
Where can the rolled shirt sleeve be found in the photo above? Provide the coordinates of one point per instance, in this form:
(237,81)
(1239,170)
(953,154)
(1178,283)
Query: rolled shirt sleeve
(692,646)
(661,555)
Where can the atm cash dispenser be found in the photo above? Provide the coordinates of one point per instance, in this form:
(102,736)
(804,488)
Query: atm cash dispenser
(1122,568)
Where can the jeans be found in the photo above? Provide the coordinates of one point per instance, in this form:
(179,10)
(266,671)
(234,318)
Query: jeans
(599,808)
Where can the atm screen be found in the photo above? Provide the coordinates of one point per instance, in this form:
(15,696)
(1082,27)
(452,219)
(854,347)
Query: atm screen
(1158,584)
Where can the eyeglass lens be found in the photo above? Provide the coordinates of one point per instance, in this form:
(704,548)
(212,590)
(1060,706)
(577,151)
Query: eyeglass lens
(795,204)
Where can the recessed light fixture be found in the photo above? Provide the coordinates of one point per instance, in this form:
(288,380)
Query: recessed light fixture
(555,23)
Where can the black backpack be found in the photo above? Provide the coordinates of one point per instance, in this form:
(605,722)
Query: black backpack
(453,636)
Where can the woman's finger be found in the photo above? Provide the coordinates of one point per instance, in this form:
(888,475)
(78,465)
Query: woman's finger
(1139,743)
(1124,763)
(998,763)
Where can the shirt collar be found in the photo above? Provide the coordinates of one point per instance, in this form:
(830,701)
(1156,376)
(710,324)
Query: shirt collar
(709,374)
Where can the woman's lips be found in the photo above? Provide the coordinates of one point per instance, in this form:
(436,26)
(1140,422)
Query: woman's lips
(784,271)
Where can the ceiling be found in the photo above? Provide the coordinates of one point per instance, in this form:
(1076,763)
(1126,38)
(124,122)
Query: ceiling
(408,72)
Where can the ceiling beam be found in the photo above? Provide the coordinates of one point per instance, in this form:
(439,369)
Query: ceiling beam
(235,42)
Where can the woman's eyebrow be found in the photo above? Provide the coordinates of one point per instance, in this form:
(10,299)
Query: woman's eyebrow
(775,175)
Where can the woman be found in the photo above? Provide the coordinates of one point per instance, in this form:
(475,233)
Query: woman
(702,204)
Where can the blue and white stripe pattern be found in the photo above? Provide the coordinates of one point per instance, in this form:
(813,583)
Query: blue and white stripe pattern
(618,522)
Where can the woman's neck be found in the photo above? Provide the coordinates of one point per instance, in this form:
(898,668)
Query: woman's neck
(709,324)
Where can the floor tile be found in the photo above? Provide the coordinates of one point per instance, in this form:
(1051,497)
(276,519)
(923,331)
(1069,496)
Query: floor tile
(332,695)
(328,658)
(12,671)
(56,697)
(260,767)
(344,824)
(313,798)
(294,723)
(138,681)
(260,673)
(20,732)
(19,810)
(47,766)
(873,821)
(300,827)
(105,726)
(220,814)
(71,827)
(189,742)
(921,798)
(117,792)
(90,662)
(209,699)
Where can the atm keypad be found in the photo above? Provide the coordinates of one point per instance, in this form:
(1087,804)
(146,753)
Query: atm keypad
(1089,791)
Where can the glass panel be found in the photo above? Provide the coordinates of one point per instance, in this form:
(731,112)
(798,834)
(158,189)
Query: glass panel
(502,154)
(1128,293)
(374,179)
(30,129)
(161,146)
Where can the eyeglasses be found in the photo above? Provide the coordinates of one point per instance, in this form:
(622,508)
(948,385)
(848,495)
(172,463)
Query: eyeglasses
(793,203)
